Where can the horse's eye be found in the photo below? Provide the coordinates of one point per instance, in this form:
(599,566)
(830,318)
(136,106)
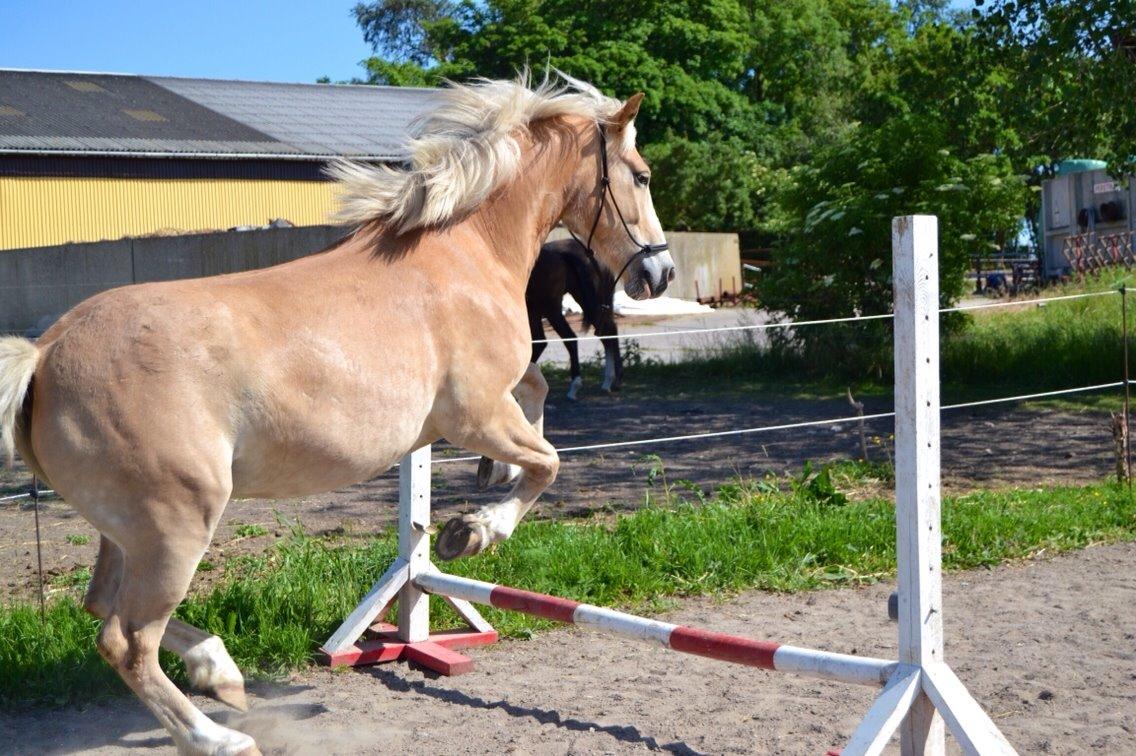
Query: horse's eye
(642,179)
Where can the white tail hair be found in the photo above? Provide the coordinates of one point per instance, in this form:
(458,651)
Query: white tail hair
(17,365)
(461,151)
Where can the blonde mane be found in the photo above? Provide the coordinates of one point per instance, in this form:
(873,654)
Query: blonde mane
(461,151)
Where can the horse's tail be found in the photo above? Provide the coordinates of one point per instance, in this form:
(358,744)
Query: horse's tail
(18,358)
(582,268)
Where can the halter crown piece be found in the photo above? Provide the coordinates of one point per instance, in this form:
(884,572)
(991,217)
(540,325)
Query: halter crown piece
(645,250)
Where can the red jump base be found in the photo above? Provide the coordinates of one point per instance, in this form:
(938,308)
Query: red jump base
(438,653)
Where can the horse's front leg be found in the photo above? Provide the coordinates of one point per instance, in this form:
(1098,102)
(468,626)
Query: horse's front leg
(560,324)
(613,367)
(509,436)
(530,393)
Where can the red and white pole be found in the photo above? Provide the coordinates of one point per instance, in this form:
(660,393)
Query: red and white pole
(689,640)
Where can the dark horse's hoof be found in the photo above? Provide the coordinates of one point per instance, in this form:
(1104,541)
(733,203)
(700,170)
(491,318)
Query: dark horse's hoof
(462,536)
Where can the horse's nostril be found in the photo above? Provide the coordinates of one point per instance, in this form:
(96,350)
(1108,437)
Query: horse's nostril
(671,274)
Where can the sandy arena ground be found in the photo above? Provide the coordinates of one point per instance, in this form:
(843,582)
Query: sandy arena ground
(1048,647)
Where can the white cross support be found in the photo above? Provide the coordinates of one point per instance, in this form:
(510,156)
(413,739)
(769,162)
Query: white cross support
(364,638)
(414,543)
(923,688)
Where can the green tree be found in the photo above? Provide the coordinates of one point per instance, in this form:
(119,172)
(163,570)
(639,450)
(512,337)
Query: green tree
(730,85)
(1073,65)
(836,255)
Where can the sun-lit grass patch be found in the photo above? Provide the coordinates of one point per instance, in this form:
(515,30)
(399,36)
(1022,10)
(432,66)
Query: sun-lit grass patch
(802,533)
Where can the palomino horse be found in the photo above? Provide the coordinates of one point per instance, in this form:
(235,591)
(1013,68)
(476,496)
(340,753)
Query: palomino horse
(148,407)
(563,267)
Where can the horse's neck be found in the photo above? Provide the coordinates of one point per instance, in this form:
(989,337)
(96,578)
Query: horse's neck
(519,216)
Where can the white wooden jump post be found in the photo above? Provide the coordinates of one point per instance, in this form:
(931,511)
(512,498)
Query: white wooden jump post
(919,691)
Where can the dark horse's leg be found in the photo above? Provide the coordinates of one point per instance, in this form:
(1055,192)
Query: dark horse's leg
(536,330)
(564,331)
(613,360)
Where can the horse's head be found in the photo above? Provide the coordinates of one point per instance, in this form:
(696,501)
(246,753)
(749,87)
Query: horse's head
(611,210)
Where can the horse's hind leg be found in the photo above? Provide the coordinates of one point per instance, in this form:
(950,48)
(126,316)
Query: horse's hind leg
(530,393)
(158,562)
(207,661)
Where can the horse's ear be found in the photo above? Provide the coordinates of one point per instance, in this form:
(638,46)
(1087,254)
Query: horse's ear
(628,112)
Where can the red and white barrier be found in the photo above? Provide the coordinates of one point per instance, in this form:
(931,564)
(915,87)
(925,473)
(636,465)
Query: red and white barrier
(689,640)
(920,692)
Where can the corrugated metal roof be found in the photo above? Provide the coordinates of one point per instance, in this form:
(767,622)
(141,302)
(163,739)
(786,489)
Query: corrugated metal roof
(55,112)
(317,119)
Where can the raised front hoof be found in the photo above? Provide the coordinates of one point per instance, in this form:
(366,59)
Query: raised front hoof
(462,536)
(232,694)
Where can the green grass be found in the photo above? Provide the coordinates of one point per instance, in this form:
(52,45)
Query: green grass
(247,530)
(274,609)
(1061,344)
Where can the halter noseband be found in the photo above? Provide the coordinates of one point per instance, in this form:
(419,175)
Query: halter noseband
(646,250)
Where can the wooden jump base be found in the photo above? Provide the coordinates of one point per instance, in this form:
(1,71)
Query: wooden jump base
(920,693)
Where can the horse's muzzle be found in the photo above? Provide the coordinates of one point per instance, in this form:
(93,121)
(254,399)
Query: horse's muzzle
(650,276)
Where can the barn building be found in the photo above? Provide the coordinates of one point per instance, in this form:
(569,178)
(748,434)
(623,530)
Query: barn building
(91,156)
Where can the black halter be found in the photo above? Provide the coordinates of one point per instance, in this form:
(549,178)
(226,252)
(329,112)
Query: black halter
(645,250)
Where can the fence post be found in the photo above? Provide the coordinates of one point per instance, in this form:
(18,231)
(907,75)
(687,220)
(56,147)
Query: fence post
(1127,450)
(414,543)
(915,274)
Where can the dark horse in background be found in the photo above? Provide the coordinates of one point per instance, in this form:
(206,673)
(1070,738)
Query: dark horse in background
(563,267)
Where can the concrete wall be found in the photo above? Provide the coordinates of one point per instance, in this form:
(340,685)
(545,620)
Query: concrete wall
(38,285)
(707,265)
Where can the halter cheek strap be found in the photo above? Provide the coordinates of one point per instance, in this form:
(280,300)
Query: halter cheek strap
(645,250)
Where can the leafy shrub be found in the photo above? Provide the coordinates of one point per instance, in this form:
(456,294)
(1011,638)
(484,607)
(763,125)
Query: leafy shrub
(836,260)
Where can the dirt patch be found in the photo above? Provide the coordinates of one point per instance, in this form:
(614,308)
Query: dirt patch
(1011,632)
(987,447)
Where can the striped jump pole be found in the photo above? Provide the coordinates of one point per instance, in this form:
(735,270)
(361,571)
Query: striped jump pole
(689,640)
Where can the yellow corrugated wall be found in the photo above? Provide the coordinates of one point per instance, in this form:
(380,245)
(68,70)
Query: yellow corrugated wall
(37,212)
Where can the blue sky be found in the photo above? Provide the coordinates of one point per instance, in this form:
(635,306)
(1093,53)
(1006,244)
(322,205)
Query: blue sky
(282,40)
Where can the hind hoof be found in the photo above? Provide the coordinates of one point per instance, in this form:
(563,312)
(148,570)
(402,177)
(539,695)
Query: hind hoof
(232,695)
(461,537)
